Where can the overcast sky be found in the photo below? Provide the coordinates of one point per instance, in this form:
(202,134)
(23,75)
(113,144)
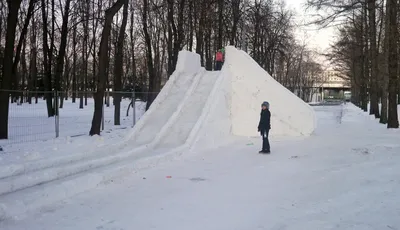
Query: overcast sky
(319,39)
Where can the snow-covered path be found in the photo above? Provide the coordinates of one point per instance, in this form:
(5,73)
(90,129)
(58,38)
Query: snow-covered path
(346,176)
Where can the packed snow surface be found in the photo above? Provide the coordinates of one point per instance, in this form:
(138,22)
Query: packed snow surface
(345,176)
(251,85)
(164,110)
(179,132)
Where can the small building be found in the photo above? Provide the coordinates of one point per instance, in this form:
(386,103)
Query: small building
(333,86)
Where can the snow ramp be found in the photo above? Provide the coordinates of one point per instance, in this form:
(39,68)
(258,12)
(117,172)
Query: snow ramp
(195,109)
(165,129)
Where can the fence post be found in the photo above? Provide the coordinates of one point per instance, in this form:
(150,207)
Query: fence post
(57,114)
(133,108)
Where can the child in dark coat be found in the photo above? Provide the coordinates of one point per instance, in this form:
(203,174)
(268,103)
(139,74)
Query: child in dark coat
(264,126)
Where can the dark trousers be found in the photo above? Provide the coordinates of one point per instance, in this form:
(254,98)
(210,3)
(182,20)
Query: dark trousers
(265,145)
(218,65)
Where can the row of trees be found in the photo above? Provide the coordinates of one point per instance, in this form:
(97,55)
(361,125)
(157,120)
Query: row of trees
(91,46)
(366,52)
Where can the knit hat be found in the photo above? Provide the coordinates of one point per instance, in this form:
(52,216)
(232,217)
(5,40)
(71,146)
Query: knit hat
(266,104)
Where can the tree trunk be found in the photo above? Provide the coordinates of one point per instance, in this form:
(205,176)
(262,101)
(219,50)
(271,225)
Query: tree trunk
(32,62)
(24,71)
(21,41)
(151,95)
(200,33)
(74,43)
(86,53)
(179,34)
(61,52)
(384,108)
(1,24)
(46,64)
(235,20)
(171,27)
(83,66)
(118,67)
(107,96)
(12,18)
(133,49)
(365,61)
(374,88)
(191,27)
(103,59)
(207,46)
(393,120)
(220,23)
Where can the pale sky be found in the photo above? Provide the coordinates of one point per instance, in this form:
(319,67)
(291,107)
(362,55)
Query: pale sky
(319,39)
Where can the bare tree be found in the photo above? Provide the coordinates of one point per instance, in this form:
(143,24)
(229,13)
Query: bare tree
(12,18)
(372,67)
(103,59)
(61,53)
(373,56)
(21,41)
(32,61)
(385,80)
(118,66)
(149,56)
(392,9)
(47,62)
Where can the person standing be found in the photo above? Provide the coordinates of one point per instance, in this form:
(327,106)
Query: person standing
(219,60)
(264,127)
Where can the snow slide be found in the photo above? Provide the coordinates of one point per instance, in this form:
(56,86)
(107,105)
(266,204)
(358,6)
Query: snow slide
(195,108)
(165,127)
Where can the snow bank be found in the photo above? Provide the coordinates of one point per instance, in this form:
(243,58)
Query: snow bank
(251,85)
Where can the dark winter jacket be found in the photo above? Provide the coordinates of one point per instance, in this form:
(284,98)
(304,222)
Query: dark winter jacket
(265,121)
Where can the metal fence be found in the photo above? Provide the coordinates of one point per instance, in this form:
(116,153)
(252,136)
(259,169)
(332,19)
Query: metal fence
(29,118)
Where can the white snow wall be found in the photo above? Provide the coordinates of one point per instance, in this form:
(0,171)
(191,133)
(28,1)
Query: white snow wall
(188,64)
(251,85)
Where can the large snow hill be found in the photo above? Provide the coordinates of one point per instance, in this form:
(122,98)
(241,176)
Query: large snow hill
(195,110)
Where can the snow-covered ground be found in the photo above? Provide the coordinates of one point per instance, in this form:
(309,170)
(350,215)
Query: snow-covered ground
(345,176)
(32,133)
